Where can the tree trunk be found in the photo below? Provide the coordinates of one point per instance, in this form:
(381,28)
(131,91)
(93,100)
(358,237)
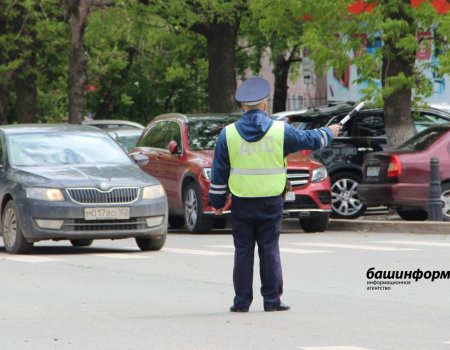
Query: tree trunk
(4,97)
(221,68)
(5,77)
(281,73)
(397,106)
(78,11)
(26,93)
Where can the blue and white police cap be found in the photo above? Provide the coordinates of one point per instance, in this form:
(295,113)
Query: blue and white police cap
(253,90)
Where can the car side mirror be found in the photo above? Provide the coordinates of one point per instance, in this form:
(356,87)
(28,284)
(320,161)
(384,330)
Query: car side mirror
(173,147)
(139,159)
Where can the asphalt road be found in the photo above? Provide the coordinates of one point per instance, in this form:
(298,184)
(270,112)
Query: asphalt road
(112,296)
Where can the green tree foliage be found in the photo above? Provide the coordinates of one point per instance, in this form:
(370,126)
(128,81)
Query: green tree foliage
(32,84)
(142,66)
(218,22)
(334,35)
(273,29)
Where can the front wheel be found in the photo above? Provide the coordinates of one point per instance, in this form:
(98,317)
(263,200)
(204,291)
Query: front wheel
(151,243)
(196,222)
(81,242)
(315,224)
(176,222)
(13,238)
(445,198)
(344,197)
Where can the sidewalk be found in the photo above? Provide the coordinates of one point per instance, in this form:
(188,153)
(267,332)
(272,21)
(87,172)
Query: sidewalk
(389,226)
(380,222)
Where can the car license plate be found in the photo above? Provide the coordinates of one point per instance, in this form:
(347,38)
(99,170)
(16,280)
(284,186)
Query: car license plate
(119,213)
(289,196)
(373,171)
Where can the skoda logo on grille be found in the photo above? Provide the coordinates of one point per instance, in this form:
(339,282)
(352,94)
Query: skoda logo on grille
(104,186)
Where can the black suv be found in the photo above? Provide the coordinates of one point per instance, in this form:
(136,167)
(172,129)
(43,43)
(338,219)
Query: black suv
(344,156)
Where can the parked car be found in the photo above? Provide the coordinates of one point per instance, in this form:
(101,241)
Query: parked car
(67,182)
(113,124)
(125,137)
(363,133)
(180,150)
(401,178)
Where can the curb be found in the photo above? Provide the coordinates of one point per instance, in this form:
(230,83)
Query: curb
(396,226)
(378,226)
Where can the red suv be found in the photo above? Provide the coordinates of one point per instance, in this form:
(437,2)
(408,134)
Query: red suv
(180,150)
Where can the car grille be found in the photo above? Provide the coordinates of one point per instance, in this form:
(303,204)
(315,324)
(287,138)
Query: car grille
(117,195)
(298,178)
(301,202)
(82,225)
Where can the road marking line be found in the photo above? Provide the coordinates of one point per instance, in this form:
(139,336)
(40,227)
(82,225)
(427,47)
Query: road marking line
(121,256)
(225,246)
(345,347)
(302,251)
(194,252)
(446,342)
(283,250)
(431,244)
(353,246)
(30,259)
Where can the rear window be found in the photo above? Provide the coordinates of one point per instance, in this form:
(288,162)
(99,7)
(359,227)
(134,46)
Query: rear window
(423,139)
(203,133)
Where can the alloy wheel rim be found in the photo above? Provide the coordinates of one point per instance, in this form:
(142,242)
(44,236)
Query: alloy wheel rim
(445,198)
(191,205)
(10,228)
(344,199)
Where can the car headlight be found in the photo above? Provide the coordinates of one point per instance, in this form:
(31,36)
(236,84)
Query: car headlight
(152,192)
(206,172)
(45,194)
(319,174)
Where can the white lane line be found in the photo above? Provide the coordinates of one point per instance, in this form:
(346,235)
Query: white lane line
(121,256)
(30,258)
(353,246)
(446,342)
(422,243)
(194,252)
(283,250)
(345,347)
(302,251)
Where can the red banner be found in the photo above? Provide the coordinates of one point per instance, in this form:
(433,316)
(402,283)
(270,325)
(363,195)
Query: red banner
(360,6)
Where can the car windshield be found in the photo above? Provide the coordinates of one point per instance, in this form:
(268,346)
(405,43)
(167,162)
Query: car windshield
(203,132)
(62,148)
(423,139)
(128,142)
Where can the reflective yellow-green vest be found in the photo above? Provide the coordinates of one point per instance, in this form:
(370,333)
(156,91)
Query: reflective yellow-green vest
(257,168)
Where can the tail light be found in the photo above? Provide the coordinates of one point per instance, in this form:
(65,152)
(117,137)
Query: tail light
(394,167)
(306,152)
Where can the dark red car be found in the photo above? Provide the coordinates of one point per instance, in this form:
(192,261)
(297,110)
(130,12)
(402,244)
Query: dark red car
(401,178)
(180,150)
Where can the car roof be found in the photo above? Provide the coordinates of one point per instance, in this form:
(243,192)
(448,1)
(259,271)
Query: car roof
(193,117)
(33,128)
(113,121)
(124,131)
(280,115)
(341,108)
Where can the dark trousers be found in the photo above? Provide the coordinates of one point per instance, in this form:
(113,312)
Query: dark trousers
(257,220)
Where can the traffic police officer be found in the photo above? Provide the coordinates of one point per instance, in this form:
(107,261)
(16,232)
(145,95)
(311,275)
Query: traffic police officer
(249,162)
